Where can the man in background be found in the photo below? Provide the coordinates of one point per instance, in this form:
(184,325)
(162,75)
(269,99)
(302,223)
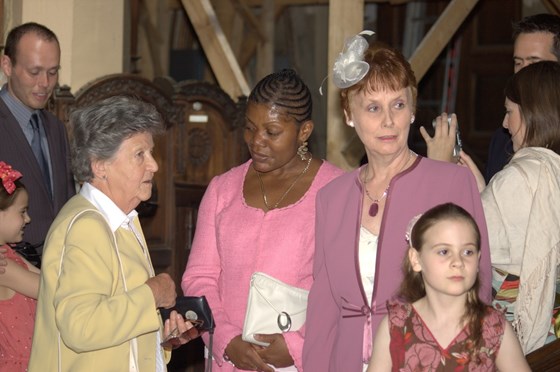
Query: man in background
(33,140)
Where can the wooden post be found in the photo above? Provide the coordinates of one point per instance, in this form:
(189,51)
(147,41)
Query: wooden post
(265,50)
(346,19)
(216,47)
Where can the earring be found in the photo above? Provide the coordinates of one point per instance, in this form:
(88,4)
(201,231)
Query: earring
(412,119)
(350,123)
(302,150)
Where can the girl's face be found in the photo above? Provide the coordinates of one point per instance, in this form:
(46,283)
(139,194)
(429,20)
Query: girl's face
(448,259)
(382,119)
(14,218)
(514,123)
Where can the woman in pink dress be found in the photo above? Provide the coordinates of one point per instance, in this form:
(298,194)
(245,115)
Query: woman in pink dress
(19,283)
(260,216)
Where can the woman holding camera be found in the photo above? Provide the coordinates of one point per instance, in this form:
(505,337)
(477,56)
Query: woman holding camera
(521,204)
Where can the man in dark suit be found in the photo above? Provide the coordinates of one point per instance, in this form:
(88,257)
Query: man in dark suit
(33,140)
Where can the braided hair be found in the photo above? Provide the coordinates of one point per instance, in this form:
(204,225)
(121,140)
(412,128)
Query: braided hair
(284,89)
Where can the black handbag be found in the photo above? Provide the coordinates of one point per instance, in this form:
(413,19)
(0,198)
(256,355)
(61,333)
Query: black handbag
(197,311)
(194,309)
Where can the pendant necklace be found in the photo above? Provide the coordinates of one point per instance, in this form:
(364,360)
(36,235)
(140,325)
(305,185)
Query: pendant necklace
(374,207)
(268,208)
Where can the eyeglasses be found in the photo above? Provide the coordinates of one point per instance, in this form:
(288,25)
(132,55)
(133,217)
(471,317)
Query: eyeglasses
(173,340)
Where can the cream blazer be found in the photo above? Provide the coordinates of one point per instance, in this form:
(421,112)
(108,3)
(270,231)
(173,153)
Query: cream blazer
(87,304)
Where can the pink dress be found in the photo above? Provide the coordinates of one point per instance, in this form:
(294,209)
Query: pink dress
(414,348)
(233,240)
(17,316)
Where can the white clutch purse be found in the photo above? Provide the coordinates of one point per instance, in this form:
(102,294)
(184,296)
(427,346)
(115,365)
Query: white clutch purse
(273,307)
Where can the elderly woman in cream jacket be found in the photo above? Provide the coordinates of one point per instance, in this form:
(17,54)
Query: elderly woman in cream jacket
(99,296)
(522,207)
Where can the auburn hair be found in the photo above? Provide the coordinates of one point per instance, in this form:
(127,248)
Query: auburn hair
(388,70)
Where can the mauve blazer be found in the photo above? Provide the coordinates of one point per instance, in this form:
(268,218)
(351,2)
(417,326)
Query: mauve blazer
(336,336)
(16,151)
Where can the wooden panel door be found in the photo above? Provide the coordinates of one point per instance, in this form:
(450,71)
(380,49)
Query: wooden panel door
(486,64)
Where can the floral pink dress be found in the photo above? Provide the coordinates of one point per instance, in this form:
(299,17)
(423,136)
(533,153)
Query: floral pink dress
(414,348)
(17,317)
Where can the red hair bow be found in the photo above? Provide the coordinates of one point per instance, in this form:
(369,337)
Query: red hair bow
(9,176)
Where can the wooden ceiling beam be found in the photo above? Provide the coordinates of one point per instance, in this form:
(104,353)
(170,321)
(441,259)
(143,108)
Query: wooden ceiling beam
(439,35)
(245,12)
(216,47)
(553,6)
(250,43)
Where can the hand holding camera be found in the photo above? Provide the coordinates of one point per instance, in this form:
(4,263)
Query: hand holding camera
(445,145)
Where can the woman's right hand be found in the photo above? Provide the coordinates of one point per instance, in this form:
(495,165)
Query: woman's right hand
(163,289)
(244,356)
(441,145)
(467,161)
(177,331)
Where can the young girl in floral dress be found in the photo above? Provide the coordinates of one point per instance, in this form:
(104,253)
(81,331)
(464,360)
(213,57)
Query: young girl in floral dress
(437,322)
(19,283)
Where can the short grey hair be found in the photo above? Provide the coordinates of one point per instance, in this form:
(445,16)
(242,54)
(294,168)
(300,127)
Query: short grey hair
(98,130)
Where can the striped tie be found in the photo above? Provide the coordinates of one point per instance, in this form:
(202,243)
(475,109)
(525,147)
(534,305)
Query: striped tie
(38,152)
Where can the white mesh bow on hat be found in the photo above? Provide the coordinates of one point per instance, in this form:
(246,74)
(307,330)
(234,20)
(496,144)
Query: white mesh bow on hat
(349,68)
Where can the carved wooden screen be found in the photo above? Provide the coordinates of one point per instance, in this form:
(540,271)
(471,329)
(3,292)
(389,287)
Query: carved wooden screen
(207,142)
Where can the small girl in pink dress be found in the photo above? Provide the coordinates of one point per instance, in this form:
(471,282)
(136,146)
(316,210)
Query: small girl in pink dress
(19,283)
(438,323)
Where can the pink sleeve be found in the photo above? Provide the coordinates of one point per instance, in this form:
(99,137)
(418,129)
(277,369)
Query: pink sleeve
(485,267)
(202,273)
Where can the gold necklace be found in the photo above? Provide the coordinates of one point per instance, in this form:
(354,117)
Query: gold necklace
(268,208)
(374,207)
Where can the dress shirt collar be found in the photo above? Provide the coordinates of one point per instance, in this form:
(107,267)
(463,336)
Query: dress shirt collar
(21,112)
(113,214)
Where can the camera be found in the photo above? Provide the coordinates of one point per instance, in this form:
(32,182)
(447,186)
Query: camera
(458,142)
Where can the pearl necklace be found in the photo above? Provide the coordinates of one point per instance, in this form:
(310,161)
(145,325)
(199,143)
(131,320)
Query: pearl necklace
(268,208)
(374,207)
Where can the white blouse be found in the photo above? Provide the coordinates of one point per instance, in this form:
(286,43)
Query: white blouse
(367,256)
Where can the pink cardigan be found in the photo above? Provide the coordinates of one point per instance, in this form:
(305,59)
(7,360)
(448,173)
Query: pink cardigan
(233,240)
(340,322)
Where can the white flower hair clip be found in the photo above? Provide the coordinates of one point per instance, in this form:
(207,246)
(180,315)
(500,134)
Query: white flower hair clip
(349,67)
(410,226)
